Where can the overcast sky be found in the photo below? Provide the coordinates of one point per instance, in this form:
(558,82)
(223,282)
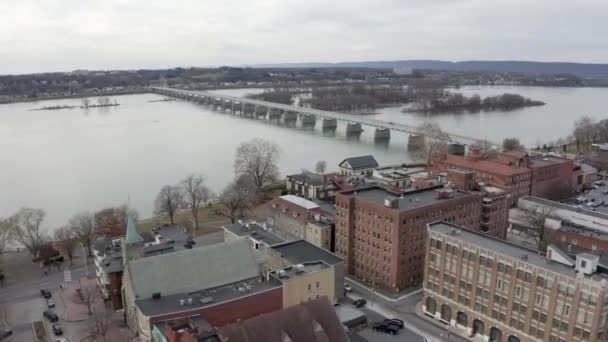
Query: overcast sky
(63,35)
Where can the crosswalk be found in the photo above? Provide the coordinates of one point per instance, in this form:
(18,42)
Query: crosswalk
(67,276)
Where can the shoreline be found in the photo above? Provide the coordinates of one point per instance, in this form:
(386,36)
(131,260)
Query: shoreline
(38,99)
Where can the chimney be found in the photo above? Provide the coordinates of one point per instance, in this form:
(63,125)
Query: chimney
(475,152)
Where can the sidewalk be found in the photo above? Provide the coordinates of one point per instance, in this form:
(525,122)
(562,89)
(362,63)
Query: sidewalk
(395,297)
(452,329)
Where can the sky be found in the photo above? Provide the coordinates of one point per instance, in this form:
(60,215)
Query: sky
(64,35)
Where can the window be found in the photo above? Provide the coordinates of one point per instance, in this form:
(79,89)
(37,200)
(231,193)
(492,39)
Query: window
(309,287)
(318,284)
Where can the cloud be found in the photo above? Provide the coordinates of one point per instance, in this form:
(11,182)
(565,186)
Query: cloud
(47,35)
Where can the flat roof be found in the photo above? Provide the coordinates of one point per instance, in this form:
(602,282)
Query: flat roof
(292,272)
(408,200)
(299,201)
(300,251)
(547,160)
(565,207)
(254,231)
(171,304)
(506,248)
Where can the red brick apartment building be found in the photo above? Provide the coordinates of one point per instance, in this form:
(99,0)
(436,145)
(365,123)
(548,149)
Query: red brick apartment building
(541,176)
(381,234)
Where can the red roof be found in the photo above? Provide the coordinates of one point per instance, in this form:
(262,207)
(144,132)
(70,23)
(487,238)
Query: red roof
(484,166)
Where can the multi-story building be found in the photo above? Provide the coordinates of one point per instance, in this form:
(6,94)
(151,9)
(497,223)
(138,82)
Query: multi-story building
(381,234)
(362,165)
(489,288)
(542,176)
(306,281)
(260,236)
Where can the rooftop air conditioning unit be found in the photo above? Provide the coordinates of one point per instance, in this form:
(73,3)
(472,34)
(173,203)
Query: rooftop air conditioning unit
(156,295)
(282,274)
(190,301)
(299,268)
(182,302)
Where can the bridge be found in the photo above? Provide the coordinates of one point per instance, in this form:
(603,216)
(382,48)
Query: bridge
(289,113)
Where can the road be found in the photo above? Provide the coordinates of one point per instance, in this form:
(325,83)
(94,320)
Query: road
(405,309)
(23,304)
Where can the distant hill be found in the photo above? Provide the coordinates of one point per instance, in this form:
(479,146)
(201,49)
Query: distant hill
(586,70)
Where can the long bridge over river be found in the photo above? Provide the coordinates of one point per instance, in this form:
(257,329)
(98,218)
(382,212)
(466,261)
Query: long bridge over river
(308,116)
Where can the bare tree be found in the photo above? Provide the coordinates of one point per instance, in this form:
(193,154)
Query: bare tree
(87,295)
(511,144)
(435,143)
(257,158)
(83,228)
(195,194)
(168,201)
(86,102)
(102,324)
(237,197)
(27,229)
(536,220)
(486,149)
(585,131)
(111,222)
(64,240)
(321,166)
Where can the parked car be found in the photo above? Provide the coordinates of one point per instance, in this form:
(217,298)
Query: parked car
(57,330)
(347,288)
(394,321)
(6,332)
(359,303)
(385,328)
(45,293)
(51,316)
(50,303)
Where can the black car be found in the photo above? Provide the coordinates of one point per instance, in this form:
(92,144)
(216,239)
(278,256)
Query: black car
(359,303)
(394,321)
(51,316)
(45,293)
(385,328)
(57,330)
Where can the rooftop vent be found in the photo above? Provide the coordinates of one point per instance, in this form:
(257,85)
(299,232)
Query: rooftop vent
(156,295)
(391,202)
(182,302)
(206,300)
(189,300)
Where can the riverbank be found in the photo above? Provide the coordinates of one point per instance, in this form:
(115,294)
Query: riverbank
(76,96)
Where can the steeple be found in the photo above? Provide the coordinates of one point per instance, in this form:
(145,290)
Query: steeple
(132,236)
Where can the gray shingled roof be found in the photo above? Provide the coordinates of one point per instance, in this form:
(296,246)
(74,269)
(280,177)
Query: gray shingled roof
(361,162)
(193,269)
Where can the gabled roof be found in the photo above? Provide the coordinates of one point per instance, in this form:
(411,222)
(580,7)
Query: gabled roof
(193,269)
(312,321)
(359,163)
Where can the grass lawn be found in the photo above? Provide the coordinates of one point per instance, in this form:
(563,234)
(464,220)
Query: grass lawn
(210,220)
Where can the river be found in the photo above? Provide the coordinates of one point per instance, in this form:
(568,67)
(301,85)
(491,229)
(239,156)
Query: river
(71,160)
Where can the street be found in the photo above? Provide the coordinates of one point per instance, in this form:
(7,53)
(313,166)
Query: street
(404,309)
(23,304)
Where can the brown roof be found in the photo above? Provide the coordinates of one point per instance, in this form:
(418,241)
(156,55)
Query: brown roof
(312,321)
(484,166)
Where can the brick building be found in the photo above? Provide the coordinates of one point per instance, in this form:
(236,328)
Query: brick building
(381,234)
(493,290)
(542,176)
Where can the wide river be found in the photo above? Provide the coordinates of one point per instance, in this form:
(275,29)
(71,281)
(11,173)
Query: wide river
(71,160)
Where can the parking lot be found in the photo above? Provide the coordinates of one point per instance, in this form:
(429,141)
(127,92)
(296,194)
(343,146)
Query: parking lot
(594,199)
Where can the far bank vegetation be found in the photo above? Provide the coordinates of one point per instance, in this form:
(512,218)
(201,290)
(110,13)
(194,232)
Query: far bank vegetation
(419,96)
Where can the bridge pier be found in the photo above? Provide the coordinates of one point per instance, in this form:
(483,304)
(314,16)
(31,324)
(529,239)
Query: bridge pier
(382,134)
(308,120)
(330,123)
(290,116)
(247,110)
(260,112)
(275,114)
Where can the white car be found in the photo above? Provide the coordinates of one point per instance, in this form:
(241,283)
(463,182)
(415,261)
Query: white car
(348,288)
(61,339)
(50,303)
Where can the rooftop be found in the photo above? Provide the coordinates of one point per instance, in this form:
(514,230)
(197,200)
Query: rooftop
(254,231)
(308,177)
(563,206)
(532,257)
(484,165)
(547,160)
(300,251)
(299,201)
(197,269)
(312,321)
(407,200)
(209,297)
(359,163)
(299,270)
